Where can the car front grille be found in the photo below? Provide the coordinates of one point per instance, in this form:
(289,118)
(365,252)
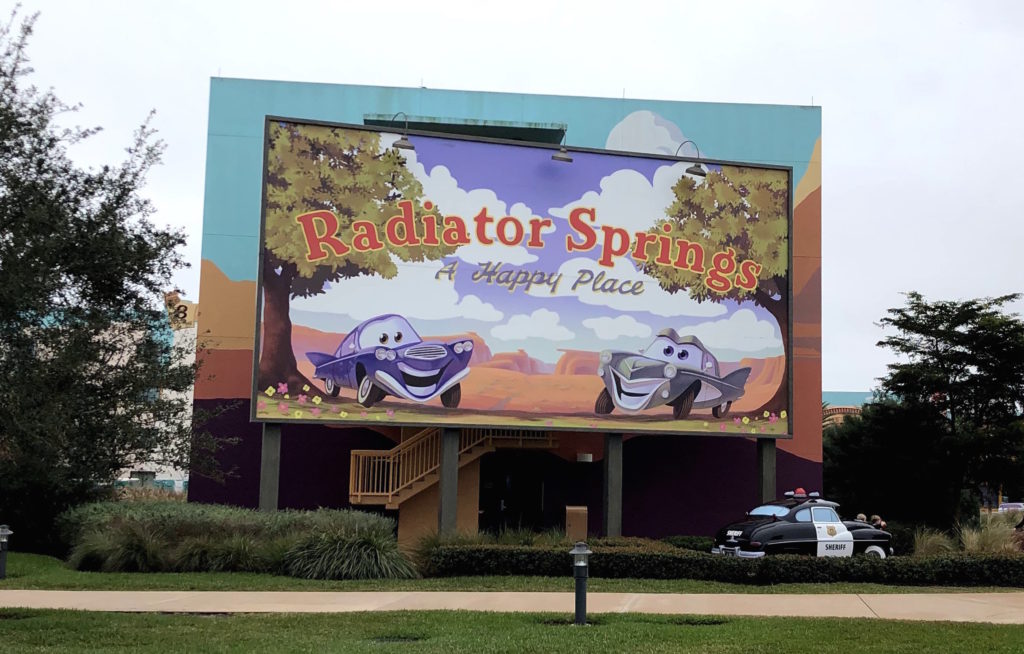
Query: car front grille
(426,352)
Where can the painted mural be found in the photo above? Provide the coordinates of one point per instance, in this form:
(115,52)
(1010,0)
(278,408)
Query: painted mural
(479,283)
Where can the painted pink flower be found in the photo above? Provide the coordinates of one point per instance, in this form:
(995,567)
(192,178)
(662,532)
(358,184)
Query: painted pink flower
(302,398)
(762,429)
(316,413)
(282,387)
(773,419)
(549,422)
(363,414)
(282,407)
(737,420)
(391,413)
(721,427)
(261,405)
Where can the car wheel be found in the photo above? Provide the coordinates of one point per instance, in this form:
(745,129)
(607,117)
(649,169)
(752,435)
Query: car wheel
(721,410)
(604,404)
(451,397)
(331,388)
(369,393)
(682,405)
(875,551)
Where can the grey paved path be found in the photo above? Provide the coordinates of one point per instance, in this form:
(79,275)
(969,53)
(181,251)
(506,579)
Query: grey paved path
(1006,608)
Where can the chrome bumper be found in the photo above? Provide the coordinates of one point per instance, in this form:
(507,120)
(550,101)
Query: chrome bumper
(735,551)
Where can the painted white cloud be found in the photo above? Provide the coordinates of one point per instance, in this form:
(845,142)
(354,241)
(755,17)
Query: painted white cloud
(628,200)
(743,331)
(609,329)
(542,323)
(440,187)
(654,299)
(413,292)
(646,131)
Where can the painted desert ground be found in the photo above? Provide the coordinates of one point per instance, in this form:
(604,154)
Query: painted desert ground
(521,388)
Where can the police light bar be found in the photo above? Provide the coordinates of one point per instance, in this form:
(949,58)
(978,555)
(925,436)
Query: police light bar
(788,493)
(814,494)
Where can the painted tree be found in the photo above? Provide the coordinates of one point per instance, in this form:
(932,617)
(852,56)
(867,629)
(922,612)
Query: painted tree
(747,210)
(310,168)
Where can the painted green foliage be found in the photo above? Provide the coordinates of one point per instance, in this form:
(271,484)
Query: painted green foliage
(310,168)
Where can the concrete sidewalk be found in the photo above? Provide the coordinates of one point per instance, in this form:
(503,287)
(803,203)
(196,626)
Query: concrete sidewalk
(1003,608)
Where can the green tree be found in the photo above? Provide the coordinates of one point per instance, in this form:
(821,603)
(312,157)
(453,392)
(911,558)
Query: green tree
(746,209)
(309,168)
(949,413)
(92,382)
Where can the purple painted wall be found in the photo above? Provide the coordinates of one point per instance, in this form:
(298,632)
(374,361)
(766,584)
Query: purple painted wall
(669,485)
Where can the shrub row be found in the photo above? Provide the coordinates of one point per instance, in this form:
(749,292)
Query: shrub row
(952,570)
(169,536)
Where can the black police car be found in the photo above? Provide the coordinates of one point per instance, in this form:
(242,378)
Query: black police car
(803,523)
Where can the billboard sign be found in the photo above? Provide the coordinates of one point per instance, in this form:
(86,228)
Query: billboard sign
(483,283)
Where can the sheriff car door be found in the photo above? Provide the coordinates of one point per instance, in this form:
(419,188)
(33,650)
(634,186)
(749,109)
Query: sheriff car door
(834,539)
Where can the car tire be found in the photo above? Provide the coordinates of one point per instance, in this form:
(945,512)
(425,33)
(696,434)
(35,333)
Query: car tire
(451,397)
(721,410)
(682,405)
(369,393)
(875,551)
(331,388)
(604,404)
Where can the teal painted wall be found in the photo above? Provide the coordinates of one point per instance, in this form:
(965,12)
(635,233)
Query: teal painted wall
(772,134)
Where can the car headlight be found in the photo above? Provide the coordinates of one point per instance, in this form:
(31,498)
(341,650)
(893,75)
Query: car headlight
(670,371)
(468,347)
(390,354)
(380,353)
(606,356)
(458,348)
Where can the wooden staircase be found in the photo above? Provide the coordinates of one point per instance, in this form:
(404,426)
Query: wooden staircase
(390,477)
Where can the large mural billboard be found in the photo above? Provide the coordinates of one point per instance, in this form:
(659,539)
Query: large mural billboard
(482,283)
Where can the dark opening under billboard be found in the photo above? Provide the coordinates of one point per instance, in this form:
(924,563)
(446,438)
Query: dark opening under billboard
(482,283)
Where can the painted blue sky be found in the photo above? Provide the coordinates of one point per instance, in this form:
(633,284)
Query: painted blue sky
(630,192)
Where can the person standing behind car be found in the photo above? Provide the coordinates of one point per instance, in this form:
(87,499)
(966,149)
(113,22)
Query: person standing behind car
(877,522)
(861,517)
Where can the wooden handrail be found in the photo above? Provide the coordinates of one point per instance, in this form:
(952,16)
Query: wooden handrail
(383,474)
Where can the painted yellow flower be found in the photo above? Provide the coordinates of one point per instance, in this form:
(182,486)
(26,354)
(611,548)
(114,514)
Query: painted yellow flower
(317,399)
(746,420)
(782,414)
(343,414)
(286,396)
(766,414)
(305,387)
(753,430)
(705,424)
(297,413)
(270,391)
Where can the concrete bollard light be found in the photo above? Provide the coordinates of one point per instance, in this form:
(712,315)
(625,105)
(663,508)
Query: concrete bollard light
(580,572)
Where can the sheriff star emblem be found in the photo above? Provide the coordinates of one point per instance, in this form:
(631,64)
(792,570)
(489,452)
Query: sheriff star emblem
(831,530)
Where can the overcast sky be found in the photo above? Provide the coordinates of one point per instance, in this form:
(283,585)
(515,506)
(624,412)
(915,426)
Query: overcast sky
(921,106)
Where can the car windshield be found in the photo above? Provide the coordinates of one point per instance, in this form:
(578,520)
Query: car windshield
(387,331)
(770,509)
(667,350)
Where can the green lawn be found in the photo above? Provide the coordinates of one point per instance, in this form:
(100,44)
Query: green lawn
(453,632)
(32,571)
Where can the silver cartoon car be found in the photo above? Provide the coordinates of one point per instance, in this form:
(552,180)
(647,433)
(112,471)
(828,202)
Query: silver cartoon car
(674,370)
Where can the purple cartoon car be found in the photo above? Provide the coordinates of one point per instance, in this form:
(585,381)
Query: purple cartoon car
(385,356)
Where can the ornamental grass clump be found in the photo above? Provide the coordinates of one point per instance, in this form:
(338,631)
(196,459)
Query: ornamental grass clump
(995,535)
(931,542)
(174,536)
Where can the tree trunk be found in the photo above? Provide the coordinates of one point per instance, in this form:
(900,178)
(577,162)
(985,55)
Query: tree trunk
(277,360)
(780,311)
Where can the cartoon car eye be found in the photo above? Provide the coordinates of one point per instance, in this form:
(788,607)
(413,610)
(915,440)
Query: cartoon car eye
(683,354)
(398,337)
(668,350)
(383,339)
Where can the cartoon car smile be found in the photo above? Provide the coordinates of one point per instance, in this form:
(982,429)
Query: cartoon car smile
(385,356)
(674,370)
